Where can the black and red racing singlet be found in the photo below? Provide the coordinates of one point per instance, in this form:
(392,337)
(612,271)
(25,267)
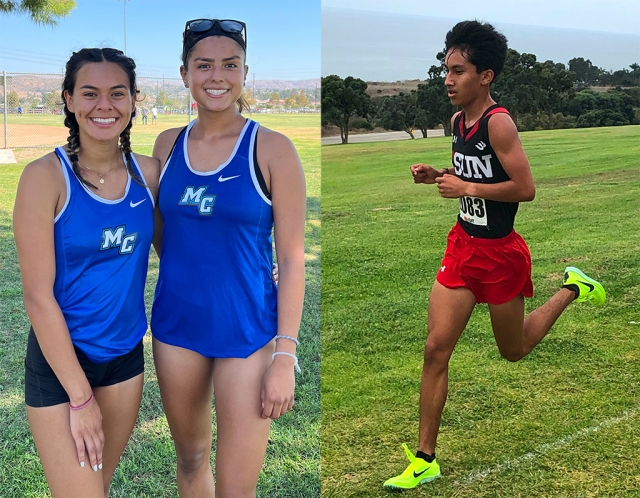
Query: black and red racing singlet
(475,161)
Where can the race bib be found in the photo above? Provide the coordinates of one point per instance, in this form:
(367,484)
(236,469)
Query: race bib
(473,210)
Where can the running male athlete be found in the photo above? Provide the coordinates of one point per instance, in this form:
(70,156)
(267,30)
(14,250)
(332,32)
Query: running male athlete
(486,261)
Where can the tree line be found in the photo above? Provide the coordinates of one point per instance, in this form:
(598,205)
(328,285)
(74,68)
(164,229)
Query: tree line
(539,95)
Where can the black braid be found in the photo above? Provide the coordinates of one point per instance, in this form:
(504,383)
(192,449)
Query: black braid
(125,146)
(73,146)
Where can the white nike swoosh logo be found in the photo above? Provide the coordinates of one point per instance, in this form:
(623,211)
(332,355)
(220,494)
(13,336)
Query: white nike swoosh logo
(222,179)
(132,204)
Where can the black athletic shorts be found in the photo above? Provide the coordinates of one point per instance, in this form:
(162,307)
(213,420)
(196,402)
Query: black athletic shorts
(42,387)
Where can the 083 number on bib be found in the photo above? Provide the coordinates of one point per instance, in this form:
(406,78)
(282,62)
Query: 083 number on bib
(473,210)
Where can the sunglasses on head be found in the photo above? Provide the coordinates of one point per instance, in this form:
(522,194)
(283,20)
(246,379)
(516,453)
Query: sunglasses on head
(229,26)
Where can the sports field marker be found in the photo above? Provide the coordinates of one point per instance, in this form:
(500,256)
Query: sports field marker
(545,448)
(7,157)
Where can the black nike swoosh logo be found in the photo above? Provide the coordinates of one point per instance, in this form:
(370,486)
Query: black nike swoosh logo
(419,473)
(591,287)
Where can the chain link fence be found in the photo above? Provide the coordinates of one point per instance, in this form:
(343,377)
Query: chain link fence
(31,112)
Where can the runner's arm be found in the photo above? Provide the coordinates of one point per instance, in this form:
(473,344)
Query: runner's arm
(161,150)
(288,193)
(503,135)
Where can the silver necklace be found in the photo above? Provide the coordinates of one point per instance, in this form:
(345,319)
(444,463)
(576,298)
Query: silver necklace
(100,175)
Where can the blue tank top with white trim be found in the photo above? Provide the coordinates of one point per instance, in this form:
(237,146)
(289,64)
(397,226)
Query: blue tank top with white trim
(215,294)
(101,253)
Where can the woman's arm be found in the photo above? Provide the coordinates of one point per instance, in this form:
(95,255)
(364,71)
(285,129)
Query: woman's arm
(151,169)
(288,194)
(161,150)
(41,193)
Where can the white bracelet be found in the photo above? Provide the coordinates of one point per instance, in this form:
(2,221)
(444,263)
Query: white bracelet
(295,365)
(288,337)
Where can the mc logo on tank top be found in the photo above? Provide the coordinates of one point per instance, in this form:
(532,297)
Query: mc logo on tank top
(118,237)
(194,196)
(472,166)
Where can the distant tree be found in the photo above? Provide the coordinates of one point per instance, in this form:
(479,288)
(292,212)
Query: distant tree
(398,112)
(161,100)
(341,100)
(433,102)
(586,73)
(52,99)
(542,121)
(172,102)
(292,100)
(635,73)
(13,100)
(302,99)
(622,77)
(601,117)
(422,121)
(619,102)
(518,86)
(46,12)
(33,101)
(274,98)
(249,97)
(555,86)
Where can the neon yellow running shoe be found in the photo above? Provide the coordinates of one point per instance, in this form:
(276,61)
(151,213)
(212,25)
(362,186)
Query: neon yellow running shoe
(587,288)
(418,472)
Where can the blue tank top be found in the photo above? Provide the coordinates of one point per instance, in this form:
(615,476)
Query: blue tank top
(102,251)
(214,294)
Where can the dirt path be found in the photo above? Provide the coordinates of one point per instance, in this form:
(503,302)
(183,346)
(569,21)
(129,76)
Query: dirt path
(29,135)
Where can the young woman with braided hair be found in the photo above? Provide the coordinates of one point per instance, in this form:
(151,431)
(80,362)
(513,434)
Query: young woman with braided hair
(83,223)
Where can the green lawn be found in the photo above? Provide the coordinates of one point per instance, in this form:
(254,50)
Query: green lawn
(563,422)
(147,468)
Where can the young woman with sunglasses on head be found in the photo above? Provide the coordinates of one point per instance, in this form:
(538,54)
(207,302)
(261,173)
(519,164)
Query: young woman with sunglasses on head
(219,323)
(83,224)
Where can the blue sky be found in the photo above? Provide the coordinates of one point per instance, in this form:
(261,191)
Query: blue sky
(378,40)
(283,35)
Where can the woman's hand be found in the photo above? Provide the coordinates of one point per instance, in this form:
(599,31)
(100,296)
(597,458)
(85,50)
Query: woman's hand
(278,386)
(86,429)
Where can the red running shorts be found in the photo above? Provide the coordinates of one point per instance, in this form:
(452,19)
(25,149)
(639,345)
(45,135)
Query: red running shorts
(495,270)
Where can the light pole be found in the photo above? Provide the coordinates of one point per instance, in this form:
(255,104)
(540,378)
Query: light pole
(124,3)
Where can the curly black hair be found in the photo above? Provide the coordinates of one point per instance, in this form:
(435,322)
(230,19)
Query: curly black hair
(481,44)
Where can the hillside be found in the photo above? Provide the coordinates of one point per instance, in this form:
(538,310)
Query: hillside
(27,85)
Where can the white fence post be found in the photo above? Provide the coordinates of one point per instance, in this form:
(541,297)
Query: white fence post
(4,84)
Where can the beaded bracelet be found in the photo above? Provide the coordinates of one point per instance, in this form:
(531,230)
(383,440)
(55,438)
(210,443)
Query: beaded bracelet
(295,365)
(83,405)
(288,337)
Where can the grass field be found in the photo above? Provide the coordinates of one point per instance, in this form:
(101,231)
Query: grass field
(147,468)
(563,422)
